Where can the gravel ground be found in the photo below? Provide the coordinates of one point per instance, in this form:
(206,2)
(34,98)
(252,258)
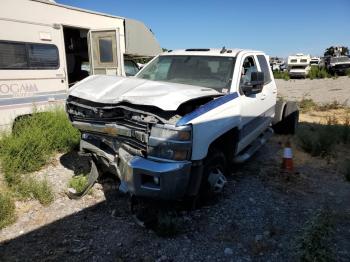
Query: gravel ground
(320,90)
(258,218)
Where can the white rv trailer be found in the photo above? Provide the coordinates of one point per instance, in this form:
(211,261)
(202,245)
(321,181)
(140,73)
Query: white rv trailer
(45,47)
(299,65)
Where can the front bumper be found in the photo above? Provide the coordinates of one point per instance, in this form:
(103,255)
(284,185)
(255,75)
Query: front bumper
(297,73)
(137,173)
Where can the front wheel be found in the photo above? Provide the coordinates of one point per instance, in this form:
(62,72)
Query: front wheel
(214,174)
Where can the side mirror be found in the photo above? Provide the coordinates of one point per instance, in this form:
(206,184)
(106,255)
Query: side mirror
(256,84)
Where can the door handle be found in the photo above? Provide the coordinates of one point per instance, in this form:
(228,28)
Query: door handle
(263,96)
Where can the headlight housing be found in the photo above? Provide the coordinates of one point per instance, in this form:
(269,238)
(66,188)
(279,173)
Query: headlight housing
(169,142)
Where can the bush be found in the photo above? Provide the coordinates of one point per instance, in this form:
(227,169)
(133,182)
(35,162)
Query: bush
(347,72)
(281,75)
(7,209)
(330,106)
(78,183)
(320,140)
(31,188)
(316,142)
(33,141)
(306,104)
(317,72)
(314,243)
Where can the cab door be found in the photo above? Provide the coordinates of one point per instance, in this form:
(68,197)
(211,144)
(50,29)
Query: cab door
(105,54)
(255,108)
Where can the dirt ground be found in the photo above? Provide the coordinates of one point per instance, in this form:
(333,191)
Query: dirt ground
(319,90)
(261,215)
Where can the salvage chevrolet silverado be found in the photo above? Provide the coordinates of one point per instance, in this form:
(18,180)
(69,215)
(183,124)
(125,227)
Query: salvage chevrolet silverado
(175,129)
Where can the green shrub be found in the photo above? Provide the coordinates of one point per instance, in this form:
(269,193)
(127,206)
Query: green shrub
(281,75)
(33,141)
(320,140)
(317,72)
(330,106)
(314,244)
(347,72)
(316,142)
(7,209)
(34,189)
(306,104)
(78,183)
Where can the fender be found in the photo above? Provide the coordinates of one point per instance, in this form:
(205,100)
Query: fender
(210,121)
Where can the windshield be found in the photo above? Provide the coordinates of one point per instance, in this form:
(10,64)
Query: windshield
(340,59)
(207,71)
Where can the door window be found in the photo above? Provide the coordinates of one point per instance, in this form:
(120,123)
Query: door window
(248,67)
(106,50)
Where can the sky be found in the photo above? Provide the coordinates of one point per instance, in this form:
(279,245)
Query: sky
(279,27)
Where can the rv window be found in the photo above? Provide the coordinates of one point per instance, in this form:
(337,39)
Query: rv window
(303,60)
(14,55)
(264,68)
(293,60)
(106,50)
(42,56)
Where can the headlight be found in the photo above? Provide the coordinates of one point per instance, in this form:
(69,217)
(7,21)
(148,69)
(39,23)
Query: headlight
(171,134)
(172,143)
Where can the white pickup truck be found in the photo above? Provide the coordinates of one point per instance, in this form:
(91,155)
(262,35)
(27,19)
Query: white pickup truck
(174,129)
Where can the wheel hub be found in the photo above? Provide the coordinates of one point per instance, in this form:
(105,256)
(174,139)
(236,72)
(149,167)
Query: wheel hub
(217,180)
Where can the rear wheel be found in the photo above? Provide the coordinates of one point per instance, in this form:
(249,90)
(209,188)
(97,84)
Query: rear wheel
(290,119)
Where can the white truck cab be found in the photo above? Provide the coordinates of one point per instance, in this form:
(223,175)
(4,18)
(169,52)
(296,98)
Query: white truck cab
(175,128)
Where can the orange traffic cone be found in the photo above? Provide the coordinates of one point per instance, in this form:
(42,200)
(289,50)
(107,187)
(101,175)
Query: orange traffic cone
(287,163)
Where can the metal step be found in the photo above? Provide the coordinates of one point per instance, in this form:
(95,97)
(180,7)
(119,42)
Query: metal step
(252,148)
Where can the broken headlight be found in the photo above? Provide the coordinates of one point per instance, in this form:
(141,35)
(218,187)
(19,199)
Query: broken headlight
(169,142)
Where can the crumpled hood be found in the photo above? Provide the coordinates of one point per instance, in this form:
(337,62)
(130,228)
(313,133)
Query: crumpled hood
(114,89)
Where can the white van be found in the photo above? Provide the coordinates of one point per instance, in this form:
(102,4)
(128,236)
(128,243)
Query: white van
(46,47)
(299,65)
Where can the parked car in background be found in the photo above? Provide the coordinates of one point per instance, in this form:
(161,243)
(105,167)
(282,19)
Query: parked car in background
(299,65)
(338,65)
(277,64)
(315,61)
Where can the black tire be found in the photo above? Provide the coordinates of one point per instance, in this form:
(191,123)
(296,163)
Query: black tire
(215,161)
(289,123)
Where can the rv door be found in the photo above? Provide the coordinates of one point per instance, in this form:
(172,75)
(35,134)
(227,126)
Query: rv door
(105,55)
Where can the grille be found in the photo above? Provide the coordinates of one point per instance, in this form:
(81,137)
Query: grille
(104,114)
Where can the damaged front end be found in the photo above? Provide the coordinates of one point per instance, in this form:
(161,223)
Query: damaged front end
(139,144)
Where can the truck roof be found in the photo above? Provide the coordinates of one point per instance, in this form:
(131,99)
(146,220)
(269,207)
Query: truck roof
(208,51)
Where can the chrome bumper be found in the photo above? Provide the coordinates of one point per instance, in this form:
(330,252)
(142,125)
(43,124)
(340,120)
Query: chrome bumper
(137,174)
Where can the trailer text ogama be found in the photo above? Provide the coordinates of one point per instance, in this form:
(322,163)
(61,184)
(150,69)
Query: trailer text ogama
(46,47)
